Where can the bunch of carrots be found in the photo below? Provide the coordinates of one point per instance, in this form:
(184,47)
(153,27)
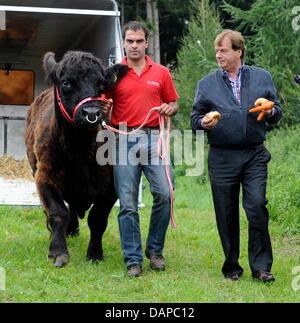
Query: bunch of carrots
(260,105)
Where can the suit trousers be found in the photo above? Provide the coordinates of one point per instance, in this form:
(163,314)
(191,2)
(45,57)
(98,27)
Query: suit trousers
(229,170)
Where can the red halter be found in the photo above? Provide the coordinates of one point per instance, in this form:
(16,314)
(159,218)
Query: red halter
(64,111)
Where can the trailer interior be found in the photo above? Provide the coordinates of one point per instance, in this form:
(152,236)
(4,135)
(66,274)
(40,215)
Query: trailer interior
(30,28)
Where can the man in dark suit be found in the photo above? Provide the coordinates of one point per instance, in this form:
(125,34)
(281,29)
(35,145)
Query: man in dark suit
(237,156)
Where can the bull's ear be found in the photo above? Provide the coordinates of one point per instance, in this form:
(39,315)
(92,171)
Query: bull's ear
(113,74)
(49,65)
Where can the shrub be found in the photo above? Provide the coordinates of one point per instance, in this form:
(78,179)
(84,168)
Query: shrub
(284,178)
(274,45)
(196,56)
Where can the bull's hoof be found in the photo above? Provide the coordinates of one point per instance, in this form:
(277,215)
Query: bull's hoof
(94,253)
(94,258)
(61,260)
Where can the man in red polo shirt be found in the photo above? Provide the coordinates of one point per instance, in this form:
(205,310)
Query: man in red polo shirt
(146,85)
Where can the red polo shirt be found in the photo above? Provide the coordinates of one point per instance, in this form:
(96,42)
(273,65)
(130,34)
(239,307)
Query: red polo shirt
(134,96)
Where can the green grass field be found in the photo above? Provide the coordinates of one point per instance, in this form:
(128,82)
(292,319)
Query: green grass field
(192,251)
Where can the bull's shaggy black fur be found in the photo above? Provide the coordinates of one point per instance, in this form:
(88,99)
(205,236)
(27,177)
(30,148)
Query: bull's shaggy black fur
(63,155)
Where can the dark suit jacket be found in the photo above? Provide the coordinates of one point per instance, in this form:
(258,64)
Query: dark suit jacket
(237,125)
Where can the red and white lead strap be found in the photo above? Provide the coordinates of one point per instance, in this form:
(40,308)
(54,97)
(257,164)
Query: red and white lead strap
(163,150)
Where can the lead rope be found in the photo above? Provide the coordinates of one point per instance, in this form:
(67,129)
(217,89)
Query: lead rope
(163,150)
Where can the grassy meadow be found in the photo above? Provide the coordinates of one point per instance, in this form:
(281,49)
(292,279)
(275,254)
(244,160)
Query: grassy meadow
(192,251)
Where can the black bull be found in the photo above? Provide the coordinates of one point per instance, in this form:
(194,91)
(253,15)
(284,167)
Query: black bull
(62,153)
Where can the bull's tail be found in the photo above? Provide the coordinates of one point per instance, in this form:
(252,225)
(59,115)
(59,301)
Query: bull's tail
(48,224)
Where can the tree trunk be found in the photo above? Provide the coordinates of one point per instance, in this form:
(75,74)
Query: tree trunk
(152,17)
(122,13)
(156,33)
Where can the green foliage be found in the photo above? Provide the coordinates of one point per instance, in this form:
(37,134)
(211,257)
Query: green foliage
(284,178)
(173,15)
(273,45)
(225,16)
(196,57)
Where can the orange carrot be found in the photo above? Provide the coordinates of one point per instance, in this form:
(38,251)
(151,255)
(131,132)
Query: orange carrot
(260,116)
(267,106)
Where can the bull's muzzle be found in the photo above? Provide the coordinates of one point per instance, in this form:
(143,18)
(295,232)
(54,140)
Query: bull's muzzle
(91,114)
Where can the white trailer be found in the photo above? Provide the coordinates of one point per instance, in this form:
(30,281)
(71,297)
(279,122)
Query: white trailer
(29,29)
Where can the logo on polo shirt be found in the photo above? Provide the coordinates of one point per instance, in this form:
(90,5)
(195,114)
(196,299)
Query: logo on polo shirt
(153,83)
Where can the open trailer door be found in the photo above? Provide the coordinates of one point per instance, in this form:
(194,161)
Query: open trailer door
(29,29)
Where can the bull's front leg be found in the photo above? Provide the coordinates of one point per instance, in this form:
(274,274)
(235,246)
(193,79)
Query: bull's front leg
(58,219)
(97,221)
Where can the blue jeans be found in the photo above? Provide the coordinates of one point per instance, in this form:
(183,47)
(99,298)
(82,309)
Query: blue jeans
(136,154)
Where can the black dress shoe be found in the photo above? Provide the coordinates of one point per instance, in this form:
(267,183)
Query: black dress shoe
(263,276)
(235,277)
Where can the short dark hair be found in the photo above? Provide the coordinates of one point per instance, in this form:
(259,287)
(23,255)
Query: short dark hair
(135,26)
